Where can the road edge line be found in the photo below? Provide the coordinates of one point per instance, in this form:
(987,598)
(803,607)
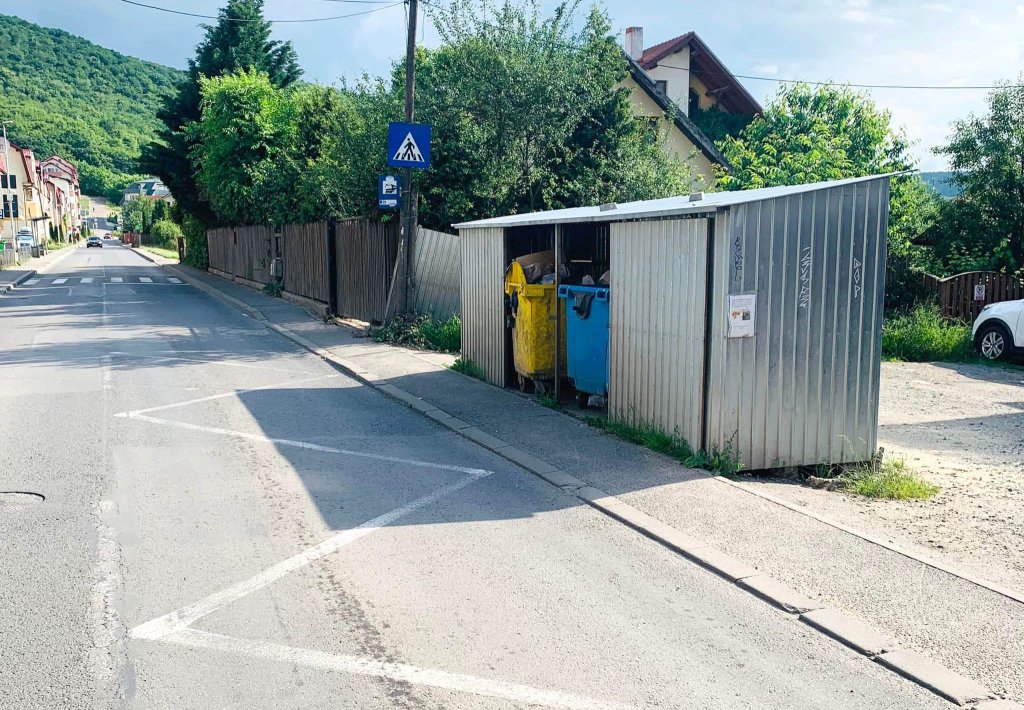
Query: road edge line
(712,559)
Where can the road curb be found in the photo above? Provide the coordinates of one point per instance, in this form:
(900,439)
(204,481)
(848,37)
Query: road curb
(855,634)
(936,678)
(849,631)
(10,285)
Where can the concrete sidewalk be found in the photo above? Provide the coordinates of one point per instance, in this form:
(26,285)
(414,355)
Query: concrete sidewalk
(799,563)
(15,276)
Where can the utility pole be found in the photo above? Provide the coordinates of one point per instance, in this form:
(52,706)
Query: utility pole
(408,212)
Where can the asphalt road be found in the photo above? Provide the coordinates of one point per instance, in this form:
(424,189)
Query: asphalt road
(230,523)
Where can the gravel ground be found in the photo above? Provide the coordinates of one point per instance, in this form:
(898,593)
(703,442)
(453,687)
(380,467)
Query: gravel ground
(961,427)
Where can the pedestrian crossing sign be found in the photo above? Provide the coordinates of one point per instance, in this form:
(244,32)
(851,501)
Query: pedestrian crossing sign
(409,145)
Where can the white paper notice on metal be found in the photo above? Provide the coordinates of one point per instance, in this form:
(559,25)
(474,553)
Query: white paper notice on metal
(979,292)
(741,315)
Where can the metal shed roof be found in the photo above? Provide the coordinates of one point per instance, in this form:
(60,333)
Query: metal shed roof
(665,207)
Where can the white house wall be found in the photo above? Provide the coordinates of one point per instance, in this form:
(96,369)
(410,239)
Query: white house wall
(804,389)
(482,300)
(657,320)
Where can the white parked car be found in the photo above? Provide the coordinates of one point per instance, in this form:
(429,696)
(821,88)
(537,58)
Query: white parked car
(999,330)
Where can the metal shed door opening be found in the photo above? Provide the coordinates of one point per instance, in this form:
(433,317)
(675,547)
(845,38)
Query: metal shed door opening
(656,347)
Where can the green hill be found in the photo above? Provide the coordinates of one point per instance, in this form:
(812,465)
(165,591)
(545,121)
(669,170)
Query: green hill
(942,183)
(69,96)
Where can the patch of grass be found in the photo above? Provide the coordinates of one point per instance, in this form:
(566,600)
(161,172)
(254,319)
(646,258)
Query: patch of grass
(891,479)
(274,288)
(54,246)
(161,251)
(549,401)
(923,335)
(724,460)
(468,367)
(417,330)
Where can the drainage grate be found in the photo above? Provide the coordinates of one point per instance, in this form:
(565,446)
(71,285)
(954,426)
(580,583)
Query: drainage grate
(19,500)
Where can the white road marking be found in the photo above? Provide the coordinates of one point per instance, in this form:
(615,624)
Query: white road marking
(222,395)
(174,280)
(458,682)
(105,589)
(182,618)
(145,280)
(116,279)
(32,282)
(296,444)
(87,280)
(57,282)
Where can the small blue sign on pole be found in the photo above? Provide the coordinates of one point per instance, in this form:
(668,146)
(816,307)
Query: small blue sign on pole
(409,145)
(388,192)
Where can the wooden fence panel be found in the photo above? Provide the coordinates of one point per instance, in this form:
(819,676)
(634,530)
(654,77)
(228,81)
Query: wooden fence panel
(241,251)
(366,253)
(957,294)
(436,273)
(305,260)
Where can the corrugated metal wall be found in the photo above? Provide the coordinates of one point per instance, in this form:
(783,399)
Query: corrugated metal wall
(482,297)
(657,316)
(305,260)
(804,389)
(436,273)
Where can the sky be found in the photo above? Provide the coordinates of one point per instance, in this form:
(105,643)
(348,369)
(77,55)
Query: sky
(905,42)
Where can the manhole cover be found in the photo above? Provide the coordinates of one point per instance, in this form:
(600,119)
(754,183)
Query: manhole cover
(19,500)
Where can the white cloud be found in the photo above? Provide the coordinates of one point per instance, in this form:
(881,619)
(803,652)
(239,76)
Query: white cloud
(769,69)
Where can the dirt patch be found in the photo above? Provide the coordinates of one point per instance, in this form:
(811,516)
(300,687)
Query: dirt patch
(962,428)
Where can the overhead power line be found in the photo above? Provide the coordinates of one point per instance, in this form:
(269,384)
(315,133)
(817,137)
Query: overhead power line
(379,3)
(838,83)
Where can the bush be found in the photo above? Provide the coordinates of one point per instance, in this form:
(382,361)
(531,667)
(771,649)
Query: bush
(416,330)
(165,231)
(923,335)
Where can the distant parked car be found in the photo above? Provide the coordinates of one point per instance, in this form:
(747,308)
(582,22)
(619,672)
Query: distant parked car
(999,330)
(25,241)
(94,242)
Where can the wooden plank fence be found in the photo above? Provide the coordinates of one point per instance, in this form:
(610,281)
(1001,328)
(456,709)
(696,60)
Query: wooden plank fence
(304,250)
(436,273)
(365,255)
(963,296)
(242,252)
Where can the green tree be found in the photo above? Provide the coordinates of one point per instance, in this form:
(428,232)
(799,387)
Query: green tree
(984,229)
(137,214)
(829,133)
(239,40)
(265,154)
(529,115)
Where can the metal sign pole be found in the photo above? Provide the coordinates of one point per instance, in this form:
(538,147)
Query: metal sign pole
(558,319)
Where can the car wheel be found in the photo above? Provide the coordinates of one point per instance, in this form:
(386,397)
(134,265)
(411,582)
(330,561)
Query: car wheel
(994,342)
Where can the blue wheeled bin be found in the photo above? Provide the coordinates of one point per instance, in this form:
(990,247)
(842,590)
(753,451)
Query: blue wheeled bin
(586,322)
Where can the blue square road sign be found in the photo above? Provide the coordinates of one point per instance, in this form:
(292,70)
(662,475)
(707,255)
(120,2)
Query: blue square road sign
(389,190)
(409,145)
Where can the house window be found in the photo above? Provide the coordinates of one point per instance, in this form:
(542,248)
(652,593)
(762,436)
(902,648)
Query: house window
(662,86)
(3,181)
(14,204)
(694,103)
(14,181)
(7,207)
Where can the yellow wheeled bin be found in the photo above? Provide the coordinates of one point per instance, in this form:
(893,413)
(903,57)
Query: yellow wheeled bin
(533,329)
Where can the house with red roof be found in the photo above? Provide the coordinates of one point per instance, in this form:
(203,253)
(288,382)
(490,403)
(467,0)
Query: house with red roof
(682,79)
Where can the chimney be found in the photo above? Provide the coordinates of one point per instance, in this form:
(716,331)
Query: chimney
(635,42)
